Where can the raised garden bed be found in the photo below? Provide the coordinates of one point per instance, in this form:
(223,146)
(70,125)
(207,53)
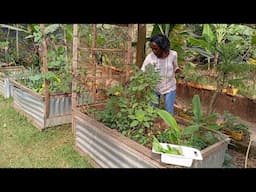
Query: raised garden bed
(110,149)
(32,105)
(238,105)
(6,74)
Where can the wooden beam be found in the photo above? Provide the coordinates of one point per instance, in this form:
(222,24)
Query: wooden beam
(94,38)
(129,51)
(141,42)
(45,70)
(74,71)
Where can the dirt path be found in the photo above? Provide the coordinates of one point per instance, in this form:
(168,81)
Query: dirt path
(238,160)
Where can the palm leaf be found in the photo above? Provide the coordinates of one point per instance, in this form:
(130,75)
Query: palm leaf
(12,28)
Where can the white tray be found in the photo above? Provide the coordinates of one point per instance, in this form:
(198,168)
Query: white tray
(186,159)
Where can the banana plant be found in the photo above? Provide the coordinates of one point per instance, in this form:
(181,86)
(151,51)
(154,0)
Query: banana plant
(36,34)
(164,29)
(203,129)
(199,119)
(173,132)
(200,129)
(206,44)
(226,41)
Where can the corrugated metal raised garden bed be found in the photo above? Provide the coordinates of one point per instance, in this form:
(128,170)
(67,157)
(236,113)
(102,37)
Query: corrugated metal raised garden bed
(32,105)
(6,74)
(110,149)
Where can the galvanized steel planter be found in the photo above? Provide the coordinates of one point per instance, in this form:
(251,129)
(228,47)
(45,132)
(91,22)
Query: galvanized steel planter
(32,105)
(6,88)
(110,149)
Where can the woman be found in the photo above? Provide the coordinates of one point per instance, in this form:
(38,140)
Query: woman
(165,61)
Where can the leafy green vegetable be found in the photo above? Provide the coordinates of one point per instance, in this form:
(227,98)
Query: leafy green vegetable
(170,150)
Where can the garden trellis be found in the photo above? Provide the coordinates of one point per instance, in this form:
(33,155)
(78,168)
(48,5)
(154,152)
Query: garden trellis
(101,58)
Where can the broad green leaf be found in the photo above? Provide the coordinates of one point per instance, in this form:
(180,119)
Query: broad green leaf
(131,116)
(51,28)
(208,34)
(140,115)
(254,38)
(146,124)
(200,43)
(156,145)
(134,123)
(214,127)
(35,77)
(100,40)
(191,129)
(169,119)
(203,52)
(13,28)
(196,107)
(29,36)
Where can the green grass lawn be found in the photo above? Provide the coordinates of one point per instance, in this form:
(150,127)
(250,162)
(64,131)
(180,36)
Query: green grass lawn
(24,146)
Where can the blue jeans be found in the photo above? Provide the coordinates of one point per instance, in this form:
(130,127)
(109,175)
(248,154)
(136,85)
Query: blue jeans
(169,100)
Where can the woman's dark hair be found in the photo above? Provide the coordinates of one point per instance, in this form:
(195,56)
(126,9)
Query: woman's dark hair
(162,41)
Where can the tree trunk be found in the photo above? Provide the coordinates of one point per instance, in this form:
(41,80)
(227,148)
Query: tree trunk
(212,102)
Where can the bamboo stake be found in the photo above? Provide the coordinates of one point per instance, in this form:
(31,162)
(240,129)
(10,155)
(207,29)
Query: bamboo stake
(17,42)
(66,47)
(74,72)
(94,59)
(247,153)
(6,48)
(129,51)
(45,70)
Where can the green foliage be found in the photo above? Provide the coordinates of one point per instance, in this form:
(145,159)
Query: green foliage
(131,112)
(204,45)
(178,39)
(60,81)
(196,108)
(173,134)
(35,33)
(4,44)
(228,161)
(195,134)
(230,46)
(170,150)
(234,123)
(199,121)
(56,58)
(164,29)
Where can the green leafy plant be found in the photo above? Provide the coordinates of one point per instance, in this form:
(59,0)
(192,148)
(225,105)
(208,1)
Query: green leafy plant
(200,133)
(228,53)
(131,110)
(232,122)
(60,81)
(170,150)
(202,128)
(173,134)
